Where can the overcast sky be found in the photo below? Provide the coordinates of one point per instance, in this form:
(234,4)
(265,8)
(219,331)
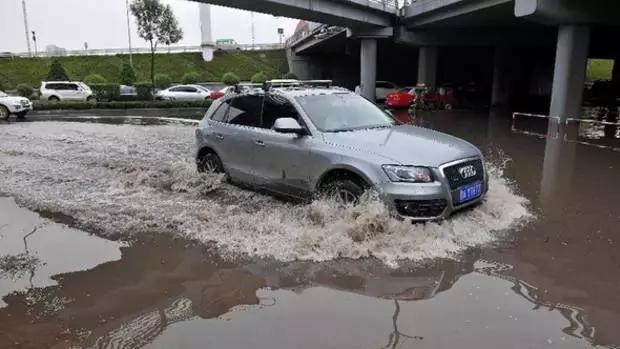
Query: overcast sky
(103,24)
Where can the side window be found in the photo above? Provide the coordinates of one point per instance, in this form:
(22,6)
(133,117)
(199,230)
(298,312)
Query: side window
(190,89)
(176,89)
(52,86)
(71,87)
(220,113)
(245,111)
(276,107)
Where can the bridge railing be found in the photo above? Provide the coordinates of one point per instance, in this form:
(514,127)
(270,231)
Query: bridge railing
(140,50)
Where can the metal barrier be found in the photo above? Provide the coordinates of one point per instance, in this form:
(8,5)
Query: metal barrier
(170,49)
(566,122)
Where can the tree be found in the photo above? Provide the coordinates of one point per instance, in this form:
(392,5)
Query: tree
(157,25)
(259,78)
(128,75)
(25,90)
(190,78)
(230,79)
(162,80)
(57,72)
(92,79)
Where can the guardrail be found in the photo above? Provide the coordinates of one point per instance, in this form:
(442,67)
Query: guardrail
(171,49)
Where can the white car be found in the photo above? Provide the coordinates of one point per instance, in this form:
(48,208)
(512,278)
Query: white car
(384,88)
(19,106)
(66,91)
(184,93)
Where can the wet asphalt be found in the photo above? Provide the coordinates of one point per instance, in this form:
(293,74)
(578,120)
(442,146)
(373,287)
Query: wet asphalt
(553,282)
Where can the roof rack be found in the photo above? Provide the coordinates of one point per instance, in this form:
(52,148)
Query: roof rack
(291,83)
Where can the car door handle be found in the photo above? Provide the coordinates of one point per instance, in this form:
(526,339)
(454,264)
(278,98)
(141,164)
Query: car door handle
(218,136)
(259,143)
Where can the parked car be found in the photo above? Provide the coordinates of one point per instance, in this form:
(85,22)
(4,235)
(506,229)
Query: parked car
(432,99)
(184,93)
(245,87)
(402,98)
(306,141)
(66,91)
(383,88)
(19,106)
(128,93)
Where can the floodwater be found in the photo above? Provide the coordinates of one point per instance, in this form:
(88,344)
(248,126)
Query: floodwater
(130,248)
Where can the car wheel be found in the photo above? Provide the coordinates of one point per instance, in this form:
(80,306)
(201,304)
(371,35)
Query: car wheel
(53,99)
(344,191)
(4,112)
(448,106)
(210,163)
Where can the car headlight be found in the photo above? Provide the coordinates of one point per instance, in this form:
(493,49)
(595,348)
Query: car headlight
(412,174)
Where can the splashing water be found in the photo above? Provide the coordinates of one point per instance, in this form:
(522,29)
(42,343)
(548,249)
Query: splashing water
(124,180)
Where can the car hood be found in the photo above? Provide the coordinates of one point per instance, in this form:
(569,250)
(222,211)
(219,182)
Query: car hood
(14,99)
(406,144)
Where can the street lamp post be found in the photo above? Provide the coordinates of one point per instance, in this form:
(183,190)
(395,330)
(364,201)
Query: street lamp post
(26,29)
(129,32)
(34,40)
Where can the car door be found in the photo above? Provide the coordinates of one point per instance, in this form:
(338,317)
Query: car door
(175,93)
(282,158)
(191,93)
(239,137)
(72,92)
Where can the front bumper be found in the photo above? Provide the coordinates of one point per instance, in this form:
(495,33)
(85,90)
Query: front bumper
(20,108)
(428,201)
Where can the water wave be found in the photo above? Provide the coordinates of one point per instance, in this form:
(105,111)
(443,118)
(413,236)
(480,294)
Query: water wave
(125,180)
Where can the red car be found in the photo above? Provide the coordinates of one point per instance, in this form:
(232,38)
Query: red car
(217,94)
(402,98)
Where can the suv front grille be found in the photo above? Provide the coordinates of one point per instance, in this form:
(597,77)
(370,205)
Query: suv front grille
(421,208)
(456,180)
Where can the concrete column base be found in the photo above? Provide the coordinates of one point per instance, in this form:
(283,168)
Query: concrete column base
(427,66)
(368,67)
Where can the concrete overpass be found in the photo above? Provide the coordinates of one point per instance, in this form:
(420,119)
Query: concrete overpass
(563,32)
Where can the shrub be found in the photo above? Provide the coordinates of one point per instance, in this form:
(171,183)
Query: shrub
(162,80)
(144,91)
(63,105)
(106,92)
(94,79)
(57,72)
(128,75)
(290,75)
(191,78)
(259,78)
(230,79)
(25,90)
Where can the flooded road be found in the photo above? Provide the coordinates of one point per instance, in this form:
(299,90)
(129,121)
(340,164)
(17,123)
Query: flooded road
(180,260)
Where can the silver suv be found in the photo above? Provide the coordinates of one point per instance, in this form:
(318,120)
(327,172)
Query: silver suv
(303,141)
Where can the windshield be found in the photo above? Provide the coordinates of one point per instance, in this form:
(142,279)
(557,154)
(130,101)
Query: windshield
(343,112)
(2,94)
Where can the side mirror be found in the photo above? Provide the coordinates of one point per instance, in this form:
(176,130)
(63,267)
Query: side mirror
(288,125)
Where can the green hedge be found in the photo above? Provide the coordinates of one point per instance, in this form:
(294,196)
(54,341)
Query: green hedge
(106,92)
(144,91)
(119,105)
(243,63)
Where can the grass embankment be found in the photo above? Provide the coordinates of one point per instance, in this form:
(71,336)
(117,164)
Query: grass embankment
(243,63)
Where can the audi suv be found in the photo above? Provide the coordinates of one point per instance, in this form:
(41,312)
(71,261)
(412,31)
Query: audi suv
(302,141)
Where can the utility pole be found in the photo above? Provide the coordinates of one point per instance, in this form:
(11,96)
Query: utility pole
(129,32)
(253,33)
(26,29)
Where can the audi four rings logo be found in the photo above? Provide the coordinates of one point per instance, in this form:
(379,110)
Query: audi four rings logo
(467,171)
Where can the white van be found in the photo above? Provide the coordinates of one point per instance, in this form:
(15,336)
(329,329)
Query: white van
(66,91)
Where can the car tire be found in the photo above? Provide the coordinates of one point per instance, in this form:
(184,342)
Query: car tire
(4,112)
(344,191)
(209,162)
(22,115)
(448,107)
(53,99)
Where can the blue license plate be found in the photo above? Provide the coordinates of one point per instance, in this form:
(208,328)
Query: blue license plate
(470,191)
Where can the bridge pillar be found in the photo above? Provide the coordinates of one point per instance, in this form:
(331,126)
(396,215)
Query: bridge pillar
(500,92)
(570,70)
(427,66)
(368,73)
